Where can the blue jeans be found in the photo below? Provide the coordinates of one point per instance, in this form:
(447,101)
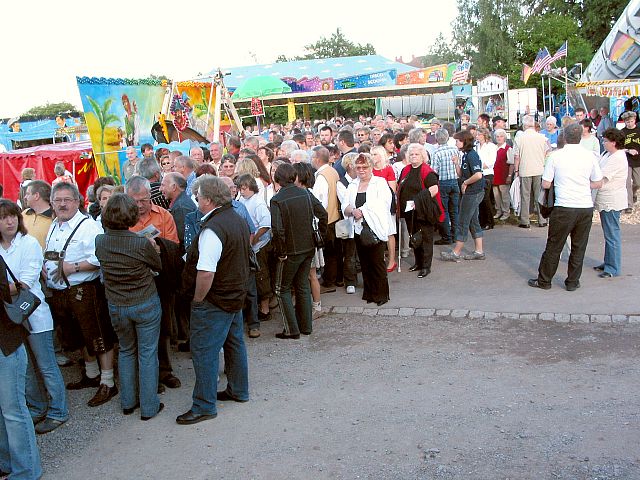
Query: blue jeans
(212,329)
(450,196)
(295,273)
(45,389)
(468,221)
(138,328)
(18,450)
(612,242)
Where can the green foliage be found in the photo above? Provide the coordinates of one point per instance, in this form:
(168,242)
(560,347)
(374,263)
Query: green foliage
(51,109)
(440,52)
(337,45)
(151,76)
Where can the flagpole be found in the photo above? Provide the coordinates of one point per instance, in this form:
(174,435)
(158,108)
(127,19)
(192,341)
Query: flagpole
(543,100)
(550,104)
(566,81)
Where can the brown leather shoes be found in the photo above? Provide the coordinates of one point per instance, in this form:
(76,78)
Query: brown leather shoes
(103,395)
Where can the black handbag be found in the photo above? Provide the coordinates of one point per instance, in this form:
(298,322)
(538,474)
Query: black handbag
(318,241)
(546,199)
(22,304)
(415,240)
(367,237)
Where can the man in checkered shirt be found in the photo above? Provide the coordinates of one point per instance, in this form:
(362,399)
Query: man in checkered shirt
(442,164)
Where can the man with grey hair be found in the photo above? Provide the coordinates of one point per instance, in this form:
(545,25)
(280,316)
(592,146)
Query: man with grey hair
(442,164)
(197,155)
(173,187)
(572,172)
(216,276)
(129,167)
(435,125)
(252,143)
(149,169)
(139,189)
(300,156)
(530,150)
(287,147)
(186,167)
(215,150)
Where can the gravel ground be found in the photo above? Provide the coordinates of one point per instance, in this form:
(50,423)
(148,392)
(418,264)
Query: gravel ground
(388,398)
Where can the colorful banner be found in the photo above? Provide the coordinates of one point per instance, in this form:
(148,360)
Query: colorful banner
(305,84)
(378,79)
(120,113)
(197,100)
(621,45)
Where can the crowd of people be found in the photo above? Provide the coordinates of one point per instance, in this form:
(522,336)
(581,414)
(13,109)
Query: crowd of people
(192,251)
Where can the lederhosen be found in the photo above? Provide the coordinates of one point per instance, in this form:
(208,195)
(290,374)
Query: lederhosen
(81,310)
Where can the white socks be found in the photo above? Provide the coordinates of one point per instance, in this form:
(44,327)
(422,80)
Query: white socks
(317,306)
(107,378)
(91,368)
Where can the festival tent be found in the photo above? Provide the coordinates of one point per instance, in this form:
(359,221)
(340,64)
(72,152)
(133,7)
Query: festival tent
(77,158)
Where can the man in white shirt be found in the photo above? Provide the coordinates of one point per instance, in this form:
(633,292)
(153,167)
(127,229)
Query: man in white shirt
(325,190)
(78,302)
(573,172)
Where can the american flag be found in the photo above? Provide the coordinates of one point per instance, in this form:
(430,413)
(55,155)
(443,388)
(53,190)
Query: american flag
(543,60)
(461,73)
(562,52)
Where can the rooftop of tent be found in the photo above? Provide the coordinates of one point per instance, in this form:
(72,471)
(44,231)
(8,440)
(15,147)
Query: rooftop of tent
(319,67)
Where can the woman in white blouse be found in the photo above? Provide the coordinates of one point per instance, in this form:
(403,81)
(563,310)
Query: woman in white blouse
(488,152)
(611,199)
(368,202)
(45,390)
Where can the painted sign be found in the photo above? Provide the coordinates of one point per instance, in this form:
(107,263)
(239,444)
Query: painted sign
(119,114)
(378,79)
(196,100)
(305,84)
(437,73)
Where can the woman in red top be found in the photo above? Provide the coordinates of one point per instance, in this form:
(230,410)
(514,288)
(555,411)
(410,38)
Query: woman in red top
(381,168)
(502,171)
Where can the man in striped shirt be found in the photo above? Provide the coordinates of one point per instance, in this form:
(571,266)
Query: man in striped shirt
(442,164)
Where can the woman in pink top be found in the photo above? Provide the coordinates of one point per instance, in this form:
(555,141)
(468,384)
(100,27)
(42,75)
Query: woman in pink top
(381,168)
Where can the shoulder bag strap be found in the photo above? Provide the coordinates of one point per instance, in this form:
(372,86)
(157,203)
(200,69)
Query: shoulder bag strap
(64,251)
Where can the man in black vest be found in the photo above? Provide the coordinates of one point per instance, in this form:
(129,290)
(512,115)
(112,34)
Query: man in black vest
(216,273)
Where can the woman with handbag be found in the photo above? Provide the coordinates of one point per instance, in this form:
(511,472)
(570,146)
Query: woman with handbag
(469,170)
(45,390)
(368,201)
(294,243)
(414,179)
(19,454)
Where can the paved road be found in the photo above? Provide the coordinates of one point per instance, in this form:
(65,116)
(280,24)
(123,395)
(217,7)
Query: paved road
(499,283)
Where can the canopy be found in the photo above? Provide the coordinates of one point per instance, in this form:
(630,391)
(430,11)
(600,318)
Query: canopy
(77,158)
(261,86)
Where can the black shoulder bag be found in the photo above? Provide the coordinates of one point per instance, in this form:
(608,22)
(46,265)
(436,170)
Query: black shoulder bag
(22,304)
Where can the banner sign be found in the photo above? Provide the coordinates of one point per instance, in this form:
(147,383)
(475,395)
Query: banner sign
(305,84)
(256,107)
(437,73)
(119,113)
(378,79)
(196,99)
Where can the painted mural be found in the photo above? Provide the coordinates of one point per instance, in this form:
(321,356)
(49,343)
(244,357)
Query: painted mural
(189,106)
(119,113)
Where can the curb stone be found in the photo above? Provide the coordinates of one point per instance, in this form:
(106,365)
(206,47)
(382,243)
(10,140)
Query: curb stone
(477,314)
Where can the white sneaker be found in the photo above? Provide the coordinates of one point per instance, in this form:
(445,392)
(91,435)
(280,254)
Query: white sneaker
(351,289)
(317,314)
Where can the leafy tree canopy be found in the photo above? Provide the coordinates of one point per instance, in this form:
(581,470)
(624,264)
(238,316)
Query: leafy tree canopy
(337,45)
(51,109)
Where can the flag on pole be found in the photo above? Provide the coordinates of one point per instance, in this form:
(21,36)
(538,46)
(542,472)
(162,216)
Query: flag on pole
(461,72)
(536,62)
(544,62)
(526,73)
(562,52)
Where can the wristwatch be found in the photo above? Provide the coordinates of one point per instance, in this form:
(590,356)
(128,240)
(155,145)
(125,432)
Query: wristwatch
(77,265)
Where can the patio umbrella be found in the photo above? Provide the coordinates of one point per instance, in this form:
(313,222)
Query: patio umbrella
(260,86)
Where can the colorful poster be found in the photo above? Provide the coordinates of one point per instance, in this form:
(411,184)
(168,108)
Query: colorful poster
(197,101)
(437,73)
(305,84)
(120,113)
(378,79)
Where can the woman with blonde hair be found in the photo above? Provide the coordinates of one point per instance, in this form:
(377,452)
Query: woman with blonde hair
(382,169)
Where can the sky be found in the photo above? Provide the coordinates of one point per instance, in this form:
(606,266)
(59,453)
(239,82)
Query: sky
(47,44)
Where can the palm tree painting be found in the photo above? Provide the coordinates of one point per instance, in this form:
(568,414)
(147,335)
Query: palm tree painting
(104,119)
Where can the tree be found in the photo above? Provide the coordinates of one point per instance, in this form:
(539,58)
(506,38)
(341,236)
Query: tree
(441,52)
(335,46)
(51,109)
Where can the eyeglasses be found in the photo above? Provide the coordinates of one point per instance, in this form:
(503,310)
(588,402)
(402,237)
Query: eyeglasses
(59,201)
(143,200)
(362,167)
(166,163)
